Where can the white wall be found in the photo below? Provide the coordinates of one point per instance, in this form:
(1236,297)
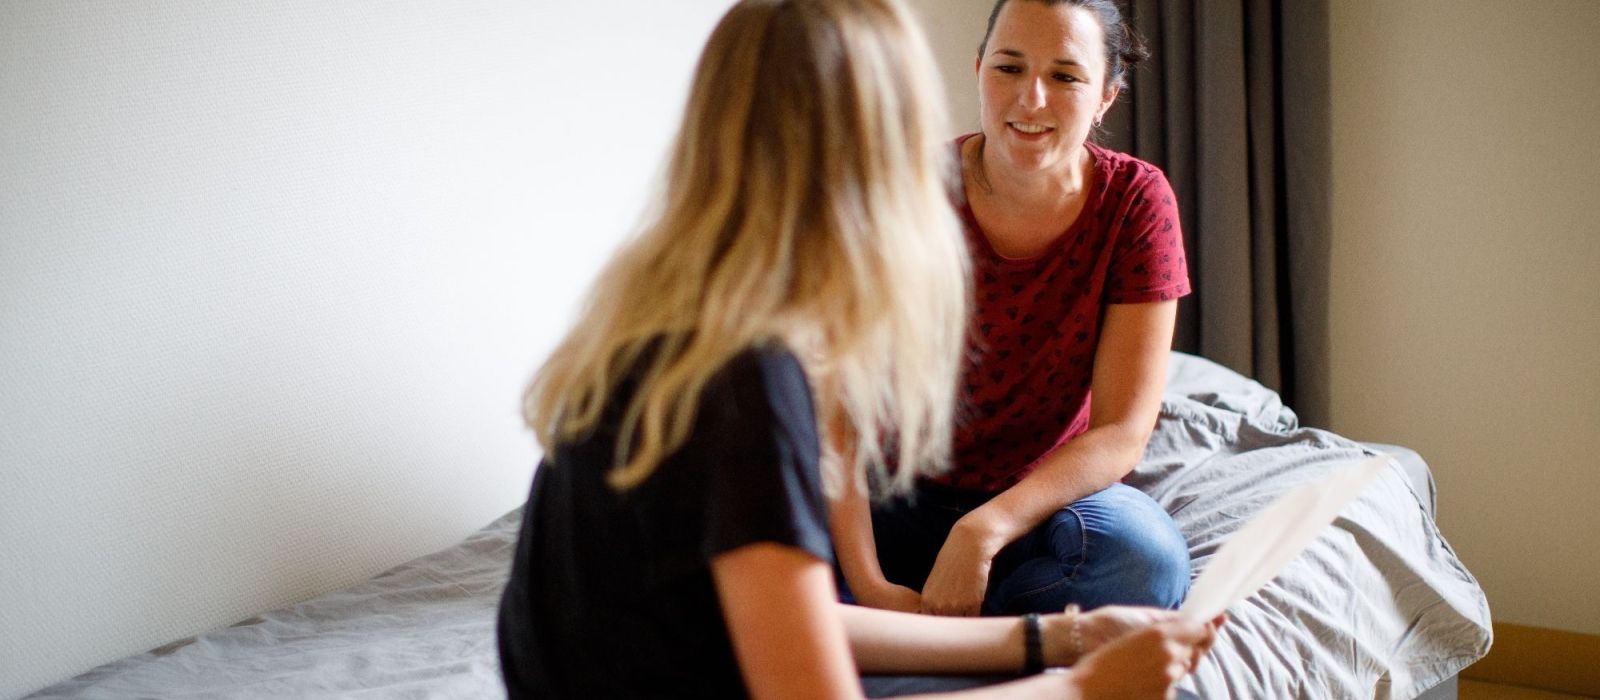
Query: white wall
(1466,310)
(954,28)
(271,278)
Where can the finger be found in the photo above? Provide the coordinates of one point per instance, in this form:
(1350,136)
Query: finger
(1175,670)
(1183,631)
(1211,638)
(1187,659)
(1179,668)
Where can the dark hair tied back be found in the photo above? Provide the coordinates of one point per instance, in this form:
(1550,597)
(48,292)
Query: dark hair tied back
(1123,46)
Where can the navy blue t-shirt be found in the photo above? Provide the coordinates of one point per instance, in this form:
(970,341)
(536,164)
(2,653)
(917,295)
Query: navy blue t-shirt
(610,592)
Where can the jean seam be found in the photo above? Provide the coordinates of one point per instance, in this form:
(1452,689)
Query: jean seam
(1083,549)
(1035,593)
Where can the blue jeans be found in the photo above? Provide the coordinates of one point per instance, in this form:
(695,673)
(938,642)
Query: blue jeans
(1116,546)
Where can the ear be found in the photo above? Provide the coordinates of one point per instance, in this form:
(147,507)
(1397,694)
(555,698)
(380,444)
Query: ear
(1106,102)
(977,63)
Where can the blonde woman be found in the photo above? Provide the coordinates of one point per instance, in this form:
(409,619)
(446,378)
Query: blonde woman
(675,539)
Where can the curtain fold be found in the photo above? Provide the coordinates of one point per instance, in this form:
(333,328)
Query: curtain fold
(1233,104)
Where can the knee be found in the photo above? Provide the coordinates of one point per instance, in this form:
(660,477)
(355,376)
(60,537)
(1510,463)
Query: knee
(1155,562)
(1137,543)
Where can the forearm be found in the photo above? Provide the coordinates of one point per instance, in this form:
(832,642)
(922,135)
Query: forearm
(1130,370)
(850,521)
(959,579)
(884,641)
(1084,465)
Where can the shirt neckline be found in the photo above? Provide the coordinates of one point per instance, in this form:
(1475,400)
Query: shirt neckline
(1099,164)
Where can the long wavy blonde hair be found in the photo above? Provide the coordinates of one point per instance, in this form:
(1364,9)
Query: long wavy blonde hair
(807,203)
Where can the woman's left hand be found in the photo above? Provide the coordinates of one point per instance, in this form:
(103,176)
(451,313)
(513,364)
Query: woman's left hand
(960,576)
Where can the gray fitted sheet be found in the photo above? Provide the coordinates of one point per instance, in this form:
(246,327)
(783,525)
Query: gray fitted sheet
(1378,606)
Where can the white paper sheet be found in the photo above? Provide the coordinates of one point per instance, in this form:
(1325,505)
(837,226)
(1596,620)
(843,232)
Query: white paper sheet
(1260,549)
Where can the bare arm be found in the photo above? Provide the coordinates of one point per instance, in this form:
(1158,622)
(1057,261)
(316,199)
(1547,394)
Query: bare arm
(1130,369)
(778,603)
(792,639)
(850,524)
(1132,652)
(850,521)
(904,643)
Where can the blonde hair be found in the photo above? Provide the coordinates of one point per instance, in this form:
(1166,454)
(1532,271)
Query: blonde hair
(806,203)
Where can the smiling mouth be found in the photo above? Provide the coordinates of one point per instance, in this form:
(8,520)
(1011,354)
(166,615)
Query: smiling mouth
(1030,129)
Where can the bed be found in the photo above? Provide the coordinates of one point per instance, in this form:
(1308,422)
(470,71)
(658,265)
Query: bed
(1378,606)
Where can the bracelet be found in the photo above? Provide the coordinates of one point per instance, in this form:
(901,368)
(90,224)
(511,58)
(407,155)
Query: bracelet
(1077,636)
(1033,644)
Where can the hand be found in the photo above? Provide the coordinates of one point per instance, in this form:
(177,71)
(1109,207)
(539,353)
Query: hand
(959,578)
(1104,625)
(1144,664)
(1063,645)
(889,596)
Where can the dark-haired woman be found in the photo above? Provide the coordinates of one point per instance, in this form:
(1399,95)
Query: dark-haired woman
(1077,263)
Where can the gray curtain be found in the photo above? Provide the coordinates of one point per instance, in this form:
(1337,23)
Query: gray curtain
(1233,104)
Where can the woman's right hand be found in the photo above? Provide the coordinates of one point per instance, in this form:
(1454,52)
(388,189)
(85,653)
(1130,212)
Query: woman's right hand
(1146,663)
(1101,626)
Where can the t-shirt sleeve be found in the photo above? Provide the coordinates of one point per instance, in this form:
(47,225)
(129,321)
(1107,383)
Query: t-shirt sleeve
(766,486)
(1149,263)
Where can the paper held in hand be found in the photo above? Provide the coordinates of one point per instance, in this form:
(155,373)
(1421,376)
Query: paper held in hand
(1260,549)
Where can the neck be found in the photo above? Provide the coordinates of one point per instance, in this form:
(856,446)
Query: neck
(1031,188)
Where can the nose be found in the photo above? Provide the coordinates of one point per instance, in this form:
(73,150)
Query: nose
(1033,94)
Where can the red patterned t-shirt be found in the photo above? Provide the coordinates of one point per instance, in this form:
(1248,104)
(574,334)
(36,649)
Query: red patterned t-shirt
(1037,320)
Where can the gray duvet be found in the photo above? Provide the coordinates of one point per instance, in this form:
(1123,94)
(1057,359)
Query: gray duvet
(1378,606)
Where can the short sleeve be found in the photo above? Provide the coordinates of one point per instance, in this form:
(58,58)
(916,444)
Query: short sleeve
(1150,263)
(766,484)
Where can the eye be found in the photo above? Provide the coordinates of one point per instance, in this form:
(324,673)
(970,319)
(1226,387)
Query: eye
(1008,69)
(1067,78)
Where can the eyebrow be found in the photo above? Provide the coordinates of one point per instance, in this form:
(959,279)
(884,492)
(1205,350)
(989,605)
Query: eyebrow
(1018,54)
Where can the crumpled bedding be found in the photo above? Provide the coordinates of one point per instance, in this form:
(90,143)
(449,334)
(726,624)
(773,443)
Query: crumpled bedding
(1378,606)
(424,629)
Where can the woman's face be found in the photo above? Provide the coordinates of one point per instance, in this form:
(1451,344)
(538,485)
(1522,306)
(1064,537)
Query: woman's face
(1041,84)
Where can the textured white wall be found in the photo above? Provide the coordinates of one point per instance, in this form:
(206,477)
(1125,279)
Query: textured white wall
(271,278)
(1466,314)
